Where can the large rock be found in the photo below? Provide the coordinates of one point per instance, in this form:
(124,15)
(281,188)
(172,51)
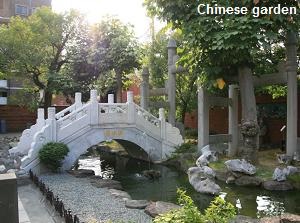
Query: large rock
(160,207)
(285,218)
(284,159)
(206,186)
(242,166)
(137,204)
(279,175)
(248,181)
(282,174)
(197,173)
(244,219)
(81,173)
(279,186)
(107,183)
(2,169)
(206,157)
(120,194)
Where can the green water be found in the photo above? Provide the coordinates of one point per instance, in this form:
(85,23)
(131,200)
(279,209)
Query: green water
(250,201)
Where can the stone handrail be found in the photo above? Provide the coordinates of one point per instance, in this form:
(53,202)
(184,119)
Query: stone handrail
(68,110)
(79,119)
(73,116)
(113,108)
(147,115)
(39,139)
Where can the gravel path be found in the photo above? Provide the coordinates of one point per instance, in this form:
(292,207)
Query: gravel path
(91,203)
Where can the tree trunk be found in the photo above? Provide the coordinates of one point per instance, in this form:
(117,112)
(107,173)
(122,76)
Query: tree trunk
(48,100)
(119,87)
(249,115)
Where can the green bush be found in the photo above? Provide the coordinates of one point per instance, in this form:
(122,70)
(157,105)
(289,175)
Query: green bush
(52,154)
(186,147)
(219,211)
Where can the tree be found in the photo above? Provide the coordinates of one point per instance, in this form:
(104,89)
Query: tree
(35,50)
(225,45)
(114,47)
(156,58)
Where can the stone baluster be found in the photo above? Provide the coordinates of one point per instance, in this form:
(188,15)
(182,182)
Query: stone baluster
(111,98)
(233,121)
(94,114)
(131,108)
(51,121)
(78,102)
(40,117)
(203,118)
(292,104)
(162,119)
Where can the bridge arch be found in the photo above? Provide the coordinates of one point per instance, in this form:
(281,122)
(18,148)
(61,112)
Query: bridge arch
(81,126)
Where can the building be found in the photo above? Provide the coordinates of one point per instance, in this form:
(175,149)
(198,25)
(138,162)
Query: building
(8,9)
(23,8)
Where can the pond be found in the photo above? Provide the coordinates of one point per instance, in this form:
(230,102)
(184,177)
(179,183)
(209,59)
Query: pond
(250,201)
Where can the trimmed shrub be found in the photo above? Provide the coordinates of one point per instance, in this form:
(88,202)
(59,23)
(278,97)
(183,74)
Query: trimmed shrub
(52,154)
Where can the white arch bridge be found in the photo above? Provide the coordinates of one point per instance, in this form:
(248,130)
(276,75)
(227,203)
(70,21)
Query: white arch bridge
(81,126)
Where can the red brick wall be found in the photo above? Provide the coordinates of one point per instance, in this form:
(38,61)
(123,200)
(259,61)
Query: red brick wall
(17,118)
(218,120)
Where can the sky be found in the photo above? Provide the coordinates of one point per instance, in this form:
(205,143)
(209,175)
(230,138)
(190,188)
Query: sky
(128,11)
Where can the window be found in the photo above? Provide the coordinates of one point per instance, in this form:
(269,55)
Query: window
(32,9)
(21,10)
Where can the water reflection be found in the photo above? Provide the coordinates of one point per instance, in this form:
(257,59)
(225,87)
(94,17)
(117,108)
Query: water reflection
(268,207)
(253,201)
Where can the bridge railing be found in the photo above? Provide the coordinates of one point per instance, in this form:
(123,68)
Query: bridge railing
(58,127)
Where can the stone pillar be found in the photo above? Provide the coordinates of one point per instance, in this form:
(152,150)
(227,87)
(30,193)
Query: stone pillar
(131,108)
(233,122)
(111,98)
(8,198)
(40,117)
(172,48)
(203,118)
(292,100)
(145,89)
(162,119)
(129,97)
(52,121)
(78,102)
(94,114)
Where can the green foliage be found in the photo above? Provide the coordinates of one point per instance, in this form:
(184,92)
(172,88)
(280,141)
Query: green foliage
(219,211)
(191,133)
(189,213)
(187,147)
(217,45)
(36,50)
(52,154)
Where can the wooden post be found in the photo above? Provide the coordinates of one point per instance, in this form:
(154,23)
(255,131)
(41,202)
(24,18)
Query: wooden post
(203,119)
(233,122)
(292,99)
